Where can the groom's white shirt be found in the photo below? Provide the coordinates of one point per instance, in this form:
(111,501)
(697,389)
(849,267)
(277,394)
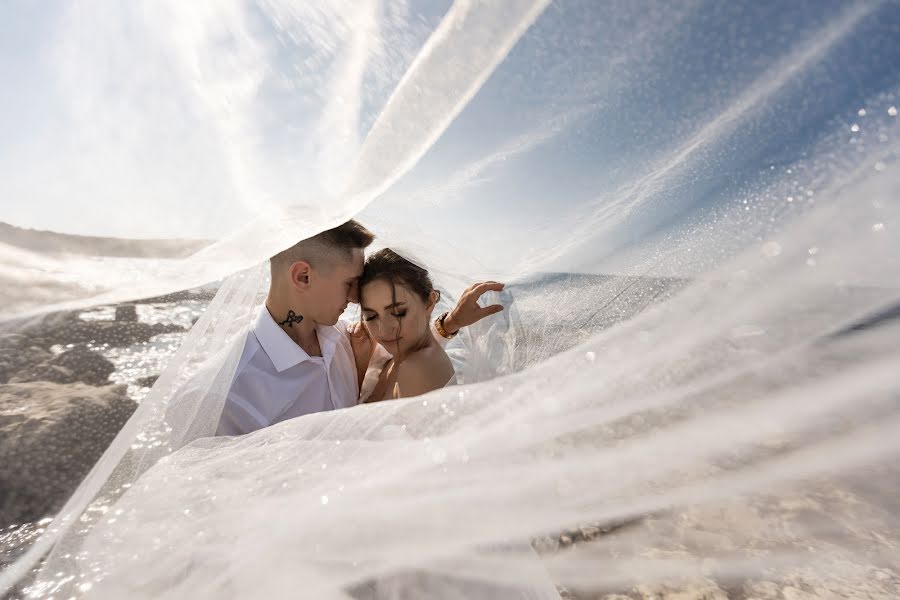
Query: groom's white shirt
(277,380)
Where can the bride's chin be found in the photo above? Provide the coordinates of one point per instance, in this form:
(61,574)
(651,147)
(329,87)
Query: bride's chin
(391,347)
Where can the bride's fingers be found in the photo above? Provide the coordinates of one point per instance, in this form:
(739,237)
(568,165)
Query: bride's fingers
(356,330)
(491,310)
(480,288)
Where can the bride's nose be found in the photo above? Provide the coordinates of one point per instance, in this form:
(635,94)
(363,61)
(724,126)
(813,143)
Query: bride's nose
(390,330)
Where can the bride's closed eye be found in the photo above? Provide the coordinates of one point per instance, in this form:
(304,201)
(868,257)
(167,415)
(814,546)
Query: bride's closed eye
(399,315)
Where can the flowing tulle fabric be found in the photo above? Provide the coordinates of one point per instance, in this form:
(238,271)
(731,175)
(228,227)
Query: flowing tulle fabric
(694,208)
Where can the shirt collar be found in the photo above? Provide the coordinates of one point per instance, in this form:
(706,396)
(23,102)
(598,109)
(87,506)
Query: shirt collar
(282,350)
(328,340)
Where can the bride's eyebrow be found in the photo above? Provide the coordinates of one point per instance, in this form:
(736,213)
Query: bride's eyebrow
(394,305)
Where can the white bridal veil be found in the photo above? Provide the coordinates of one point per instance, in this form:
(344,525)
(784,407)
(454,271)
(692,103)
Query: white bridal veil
(695,207)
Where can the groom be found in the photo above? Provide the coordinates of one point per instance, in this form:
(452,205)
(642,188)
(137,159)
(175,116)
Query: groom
(298,358)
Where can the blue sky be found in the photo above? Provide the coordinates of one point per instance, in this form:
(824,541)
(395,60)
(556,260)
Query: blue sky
(669,113)
(119,121)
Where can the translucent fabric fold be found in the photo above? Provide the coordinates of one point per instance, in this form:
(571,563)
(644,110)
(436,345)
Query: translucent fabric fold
(693,385)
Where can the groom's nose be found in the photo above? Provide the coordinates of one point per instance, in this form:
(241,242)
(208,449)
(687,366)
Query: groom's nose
(353,295)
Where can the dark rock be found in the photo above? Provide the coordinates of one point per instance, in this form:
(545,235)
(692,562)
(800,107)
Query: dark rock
(126,313)
(12,340)
(67,330)
(201,294)
(50,437)
(40,342)
(147,381)
(89,366)
(78,364)
(44,372)
(14,360)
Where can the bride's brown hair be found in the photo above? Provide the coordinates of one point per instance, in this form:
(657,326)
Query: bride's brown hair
(389,266)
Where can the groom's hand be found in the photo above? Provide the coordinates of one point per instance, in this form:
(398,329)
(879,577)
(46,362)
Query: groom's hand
(467,311)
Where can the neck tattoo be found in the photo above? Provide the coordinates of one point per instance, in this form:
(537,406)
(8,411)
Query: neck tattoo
(292,318)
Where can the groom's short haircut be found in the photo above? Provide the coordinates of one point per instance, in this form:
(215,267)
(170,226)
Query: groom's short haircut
(325,250)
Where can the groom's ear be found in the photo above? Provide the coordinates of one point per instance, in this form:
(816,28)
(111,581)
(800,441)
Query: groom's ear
(300,271)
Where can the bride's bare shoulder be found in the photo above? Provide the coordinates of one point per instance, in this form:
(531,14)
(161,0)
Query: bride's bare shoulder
(423,371)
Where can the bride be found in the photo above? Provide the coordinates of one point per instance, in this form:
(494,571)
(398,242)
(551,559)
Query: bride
(396,354)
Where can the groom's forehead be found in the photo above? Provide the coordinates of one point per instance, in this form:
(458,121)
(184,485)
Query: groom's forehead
(358,261)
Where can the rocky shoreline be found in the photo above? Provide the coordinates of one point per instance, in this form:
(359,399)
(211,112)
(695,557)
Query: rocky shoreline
(58,408)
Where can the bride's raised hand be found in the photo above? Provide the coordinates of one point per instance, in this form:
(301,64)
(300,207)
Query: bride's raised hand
(467,311)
